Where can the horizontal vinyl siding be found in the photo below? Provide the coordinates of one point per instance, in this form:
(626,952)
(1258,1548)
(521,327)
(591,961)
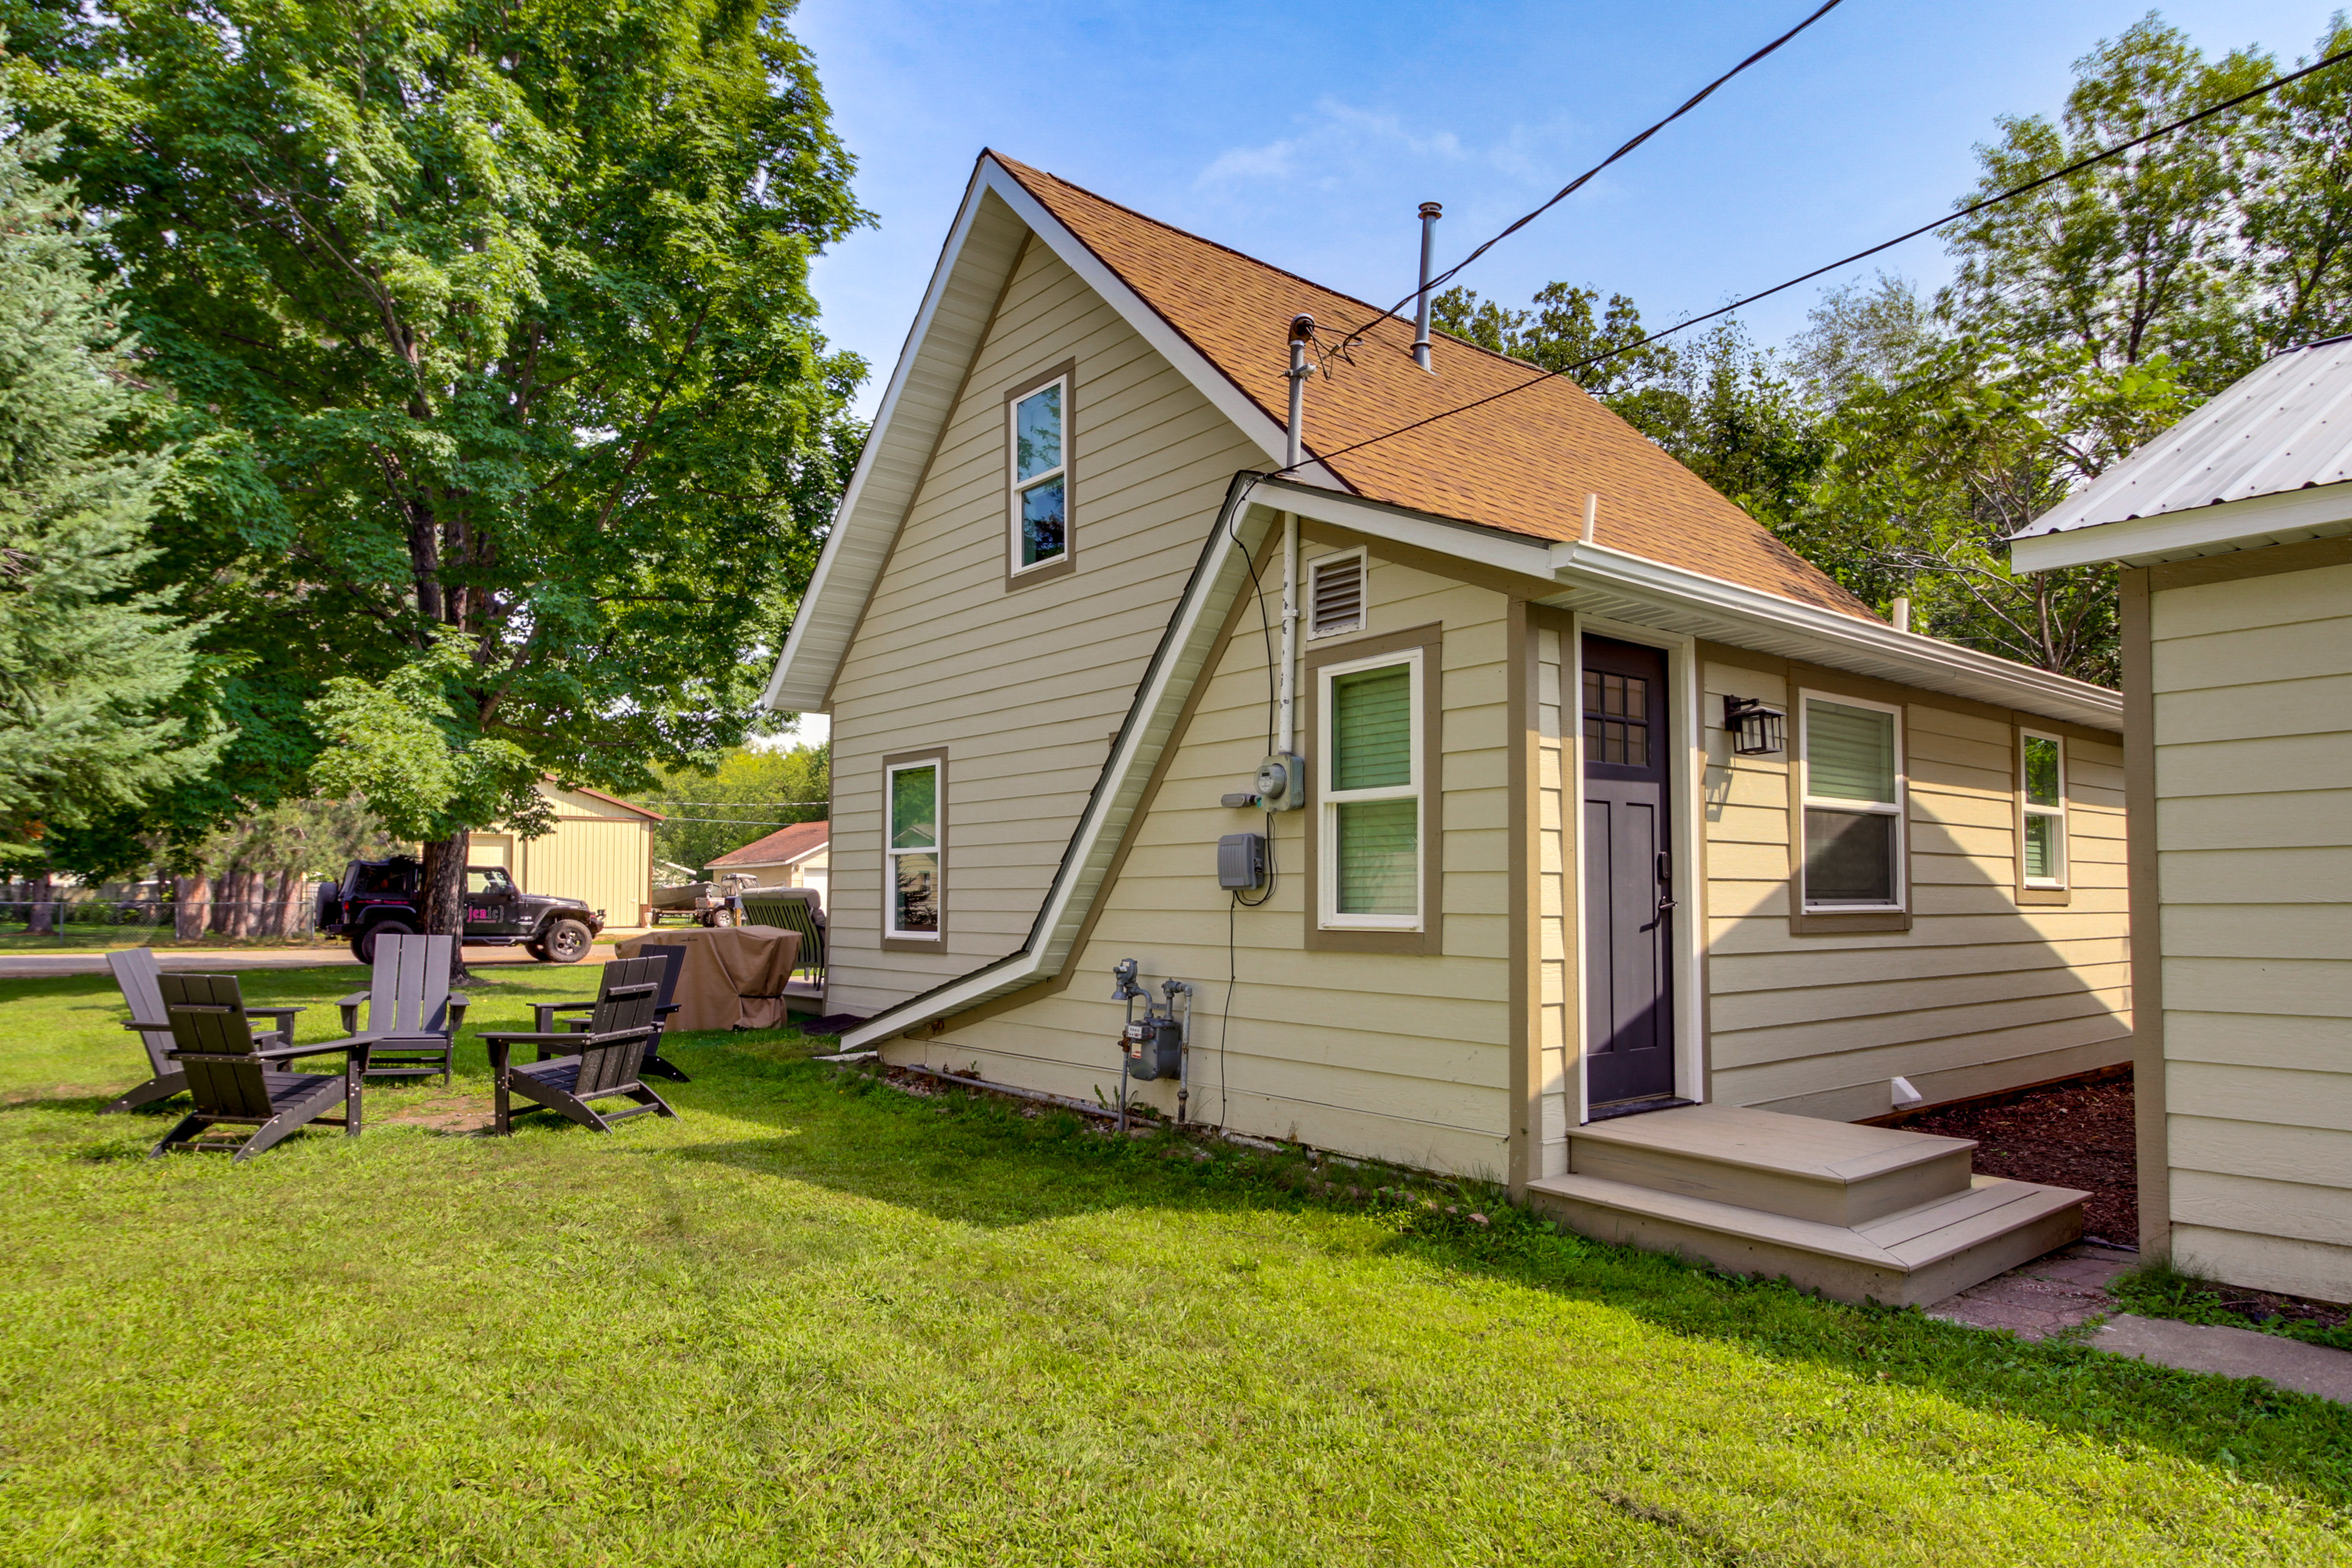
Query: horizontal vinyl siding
(1980,995)
(2253,779)
(1021,687)
(1400,1058)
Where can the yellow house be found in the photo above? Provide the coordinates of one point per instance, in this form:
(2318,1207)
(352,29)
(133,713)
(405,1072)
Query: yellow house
(602,853)
(2234,531)
(1511,802)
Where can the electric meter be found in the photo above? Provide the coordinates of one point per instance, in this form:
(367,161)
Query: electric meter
(1282,782)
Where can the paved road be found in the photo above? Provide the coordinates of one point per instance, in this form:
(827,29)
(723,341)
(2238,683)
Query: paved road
(24,965)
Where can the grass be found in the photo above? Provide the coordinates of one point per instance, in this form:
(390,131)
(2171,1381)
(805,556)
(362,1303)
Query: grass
(817,1321)
(2161,1288)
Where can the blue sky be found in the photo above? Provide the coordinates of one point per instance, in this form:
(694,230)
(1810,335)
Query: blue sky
(1307,134)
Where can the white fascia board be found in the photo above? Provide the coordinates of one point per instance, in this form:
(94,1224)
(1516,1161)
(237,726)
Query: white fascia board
(2250,524)
(1153,328)
(830,607)
(1186,652)
(1723,610)
(1846,641)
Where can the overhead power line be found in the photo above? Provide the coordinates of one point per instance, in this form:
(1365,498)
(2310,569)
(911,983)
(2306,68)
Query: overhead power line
(1580,181)
(2073,168)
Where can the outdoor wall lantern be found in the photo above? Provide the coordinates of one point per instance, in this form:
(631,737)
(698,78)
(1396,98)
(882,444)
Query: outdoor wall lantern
(1757,728)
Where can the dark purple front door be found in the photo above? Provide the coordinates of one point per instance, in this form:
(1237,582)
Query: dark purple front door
(1628,877)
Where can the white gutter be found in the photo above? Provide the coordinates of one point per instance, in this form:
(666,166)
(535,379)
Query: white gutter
(1722,610)
(2281,519)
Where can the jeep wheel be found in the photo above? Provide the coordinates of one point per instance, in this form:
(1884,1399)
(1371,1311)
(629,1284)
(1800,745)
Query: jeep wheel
(363,944)
(566,943)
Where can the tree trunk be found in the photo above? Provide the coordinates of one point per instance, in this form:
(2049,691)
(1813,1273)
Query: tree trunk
(194,904)
(43,916)
(445,899)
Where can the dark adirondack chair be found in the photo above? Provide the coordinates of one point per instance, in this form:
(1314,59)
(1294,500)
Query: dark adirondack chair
(603,1061)
(139,975)
(413,1017)
(550,1015)
(237,1081)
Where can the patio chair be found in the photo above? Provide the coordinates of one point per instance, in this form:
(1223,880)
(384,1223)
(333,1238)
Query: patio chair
(138,974)
(413,1017)
(792,909)
(548,1015)
(237,1081)
(602,1061)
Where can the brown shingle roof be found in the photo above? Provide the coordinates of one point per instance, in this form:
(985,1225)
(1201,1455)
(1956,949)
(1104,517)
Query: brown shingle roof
(784,844)
(1524,463)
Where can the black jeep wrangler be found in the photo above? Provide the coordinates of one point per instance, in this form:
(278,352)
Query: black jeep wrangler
(379,896)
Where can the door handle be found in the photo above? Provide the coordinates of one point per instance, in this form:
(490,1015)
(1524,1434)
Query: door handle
(1666,867)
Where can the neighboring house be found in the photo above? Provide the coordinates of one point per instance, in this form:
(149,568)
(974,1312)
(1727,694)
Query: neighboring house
(1534,885)
(794,856)
(2234,530)
(602,853)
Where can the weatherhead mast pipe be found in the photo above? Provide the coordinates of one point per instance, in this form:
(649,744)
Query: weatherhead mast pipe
(1302,331)
(1429,213)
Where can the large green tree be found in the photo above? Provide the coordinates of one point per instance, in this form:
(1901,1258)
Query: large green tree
(750,794)
(491,324)
(92,670)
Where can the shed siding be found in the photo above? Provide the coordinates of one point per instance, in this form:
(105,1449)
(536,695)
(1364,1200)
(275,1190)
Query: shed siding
(1980,995)
(1557,971)
(1399,1058)
(1021,687)
(2252,683)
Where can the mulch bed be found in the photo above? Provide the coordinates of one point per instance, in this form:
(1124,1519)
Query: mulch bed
(2074,1135)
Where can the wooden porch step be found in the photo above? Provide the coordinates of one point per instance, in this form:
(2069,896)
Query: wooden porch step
(1911,1257)
(1830,1173)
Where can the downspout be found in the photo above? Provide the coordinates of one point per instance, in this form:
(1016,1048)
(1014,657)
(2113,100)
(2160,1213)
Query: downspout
(1429,213)
(1302,328)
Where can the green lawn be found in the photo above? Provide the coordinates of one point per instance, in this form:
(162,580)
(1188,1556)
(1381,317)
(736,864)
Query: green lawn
(815,1321)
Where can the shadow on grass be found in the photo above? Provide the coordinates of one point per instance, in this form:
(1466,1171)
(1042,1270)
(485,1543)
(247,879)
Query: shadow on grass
(976,1160)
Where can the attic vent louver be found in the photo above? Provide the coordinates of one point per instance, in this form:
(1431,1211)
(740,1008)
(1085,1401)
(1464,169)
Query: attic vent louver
(1336,591)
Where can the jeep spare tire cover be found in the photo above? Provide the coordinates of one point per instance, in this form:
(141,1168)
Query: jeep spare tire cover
(363,944)
(566,941)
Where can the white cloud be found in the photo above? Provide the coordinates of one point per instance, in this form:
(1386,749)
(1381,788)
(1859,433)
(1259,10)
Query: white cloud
(1339,142)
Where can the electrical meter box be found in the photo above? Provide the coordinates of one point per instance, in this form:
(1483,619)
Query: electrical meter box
(1281,782)
(1241,861)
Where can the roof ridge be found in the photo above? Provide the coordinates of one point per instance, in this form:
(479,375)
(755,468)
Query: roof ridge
(1020,169)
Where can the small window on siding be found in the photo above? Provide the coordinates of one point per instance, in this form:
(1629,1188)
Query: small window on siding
(1854,828)
(914,849)
(1041,476)
(1371,795)
(1334,594)
(2042,797)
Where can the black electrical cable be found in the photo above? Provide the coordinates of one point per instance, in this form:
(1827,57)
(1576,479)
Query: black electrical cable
(1225,1024)
(1974,207)
(1577,184)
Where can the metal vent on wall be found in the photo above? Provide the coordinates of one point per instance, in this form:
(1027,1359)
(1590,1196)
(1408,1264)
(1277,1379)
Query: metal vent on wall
(1335,594)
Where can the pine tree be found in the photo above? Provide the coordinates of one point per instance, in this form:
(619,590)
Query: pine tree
(90,667)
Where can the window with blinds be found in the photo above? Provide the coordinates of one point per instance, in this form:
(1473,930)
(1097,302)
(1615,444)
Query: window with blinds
(1334,594)
(2041,803)
(1371,793)
(1853,825)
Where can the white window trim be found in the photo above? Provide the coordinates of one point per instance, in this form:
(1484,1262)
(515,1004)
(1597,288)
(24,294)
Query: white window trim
(1900,810)
(1016,485)
(1364,606)
(1329,799)
(2027,809)
(938,851)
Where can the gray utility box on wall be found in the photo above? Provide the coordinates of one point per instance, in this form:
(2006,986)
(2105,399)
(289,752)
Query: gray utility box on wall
(1241,861)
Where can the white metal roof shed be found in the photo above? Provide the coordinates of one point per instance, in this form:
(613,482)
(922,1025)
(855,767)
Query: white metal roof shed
(2267,462)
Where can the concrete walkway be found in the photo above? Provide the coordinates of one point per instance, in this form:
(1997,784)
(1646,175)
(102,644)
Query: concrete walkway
(2068,1288)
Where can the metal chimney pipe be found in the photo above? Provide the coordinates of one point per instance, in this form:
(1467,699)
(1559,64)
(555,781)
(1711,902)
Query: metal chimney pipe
(1302,329)
(1429,213)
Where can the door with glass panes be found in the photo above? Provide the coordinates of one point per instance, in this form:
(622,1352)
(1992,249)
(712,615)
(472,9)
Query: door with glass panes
(1629,905)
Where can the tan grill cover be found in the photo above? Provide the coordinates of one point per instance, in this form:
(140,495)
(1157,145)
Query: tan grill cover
(733,977)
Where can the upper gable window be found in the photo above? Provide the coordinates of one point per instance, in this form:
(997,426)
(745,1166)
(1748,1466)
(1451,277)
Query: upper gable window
(1039,415)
